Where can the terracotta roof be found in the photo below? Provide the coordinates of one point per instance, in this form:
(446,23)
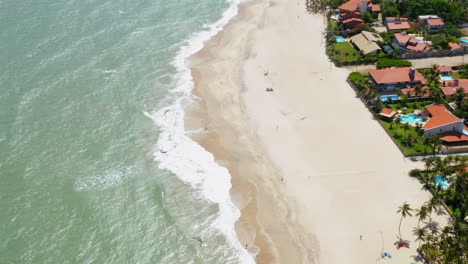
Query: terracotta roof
(410,92)
(435,22)
(387,111)
(352,20)
(444,68)
(454,45)
(395,18)
(402,37)
(394,75)
(453,137)
(374,7)
(456,84)
(440,116)
(398,26)
(351,5)
(420,47)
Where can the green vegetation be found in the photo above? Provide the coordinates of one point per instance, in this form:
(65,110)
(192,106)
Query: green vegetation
(453,12)
(409,138)
(463,72)
(387,63)
(446,244)
(343,52)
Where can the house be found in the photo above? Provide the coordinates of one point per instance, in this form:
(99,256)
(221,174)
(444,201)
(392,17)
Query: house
(360,6)
(411,92)
(443,123)
(396,78)
(367,42)
(455,46)
(423,18)
(387,113)
(454,86)
(434,24)
(397,23)
(408,43)
(351,22)
(352,11)
(444,70)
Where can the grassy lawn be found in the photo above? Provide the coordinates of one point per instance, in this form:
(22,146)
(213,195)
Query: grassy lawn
(410,106)
(410,140)
(344,52)
(332,24)
(455,75)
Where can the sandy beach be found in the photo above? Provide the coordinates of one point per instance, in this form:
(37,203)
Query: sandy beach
(312,171)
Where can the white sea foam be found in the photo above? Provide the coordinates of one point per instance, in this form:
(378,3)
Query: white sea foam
(179,154)
(107,179)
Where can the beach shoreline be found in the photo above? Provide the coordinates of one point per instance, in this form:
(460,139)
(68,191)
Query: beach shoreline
(312,172)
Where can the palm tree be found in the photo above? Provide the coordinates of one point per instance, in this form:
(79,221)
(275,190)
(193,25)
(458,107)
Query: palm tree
(459,97)
(404,210)
(422,213)
(435,142)
(432,205)
(420,234)
(418,90)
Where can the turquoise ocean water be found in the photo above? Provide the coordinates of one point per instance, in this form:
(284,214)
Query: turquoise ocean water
(95,166)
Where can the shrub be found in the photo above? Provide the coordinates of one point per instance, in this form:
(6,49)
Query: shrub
(387,63)
(356,77)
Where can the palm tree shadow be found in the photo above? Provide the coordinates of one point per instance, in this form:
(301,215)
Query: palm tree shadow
(401,241)
(431,224)
(441,212)
(418,258)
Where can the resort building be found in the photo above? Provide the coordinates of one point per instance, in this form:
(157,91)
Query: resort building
(367,42)
(443,123)
(454,86)
(351,22)
(396,78)
(397,23)
(408,43)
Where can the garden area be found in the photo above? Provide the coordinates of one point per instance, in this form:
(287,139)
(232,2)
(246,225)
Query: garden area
(409,138)
(343,52)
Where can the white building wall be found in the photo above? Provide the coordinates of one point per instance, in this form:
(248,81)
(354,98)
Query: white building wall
(457,126)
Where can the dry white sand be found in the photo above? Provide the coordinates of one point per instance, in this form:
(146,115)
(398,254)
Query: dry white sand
(343,177)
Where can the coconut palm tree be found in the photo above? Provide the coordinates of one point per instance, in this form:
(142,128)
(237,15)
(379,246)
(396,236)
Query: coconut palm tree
(422,213)
(420,234)
(459,97)
(404,210)
(432,206)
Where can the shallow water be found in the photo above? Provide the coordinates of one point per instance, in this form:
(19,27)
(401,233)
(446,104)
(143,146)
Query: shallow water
(82,84)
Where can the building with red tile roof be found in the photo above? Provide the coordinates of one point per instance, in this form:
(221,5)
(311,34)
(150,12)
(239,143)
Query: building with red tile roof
(442,121)
(396,78)
(387,113)
(352,22)
(397,23)
(411,92)
(407,43)
(454,46)
(444,69)
(434,24)
(454,86)
(355,9)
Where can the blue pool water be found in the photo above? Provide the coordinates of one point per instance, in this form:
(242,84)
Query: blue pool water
(446,78)
(442,181)
(340,39)
(410,119)
(385,98)
(464,40)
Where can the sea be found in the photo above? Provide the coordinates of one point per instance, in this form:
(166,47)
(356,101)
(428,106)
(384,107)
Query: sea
(95,164)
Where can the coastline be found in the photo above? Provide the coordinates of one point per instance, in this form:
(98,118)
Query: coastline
(311,170)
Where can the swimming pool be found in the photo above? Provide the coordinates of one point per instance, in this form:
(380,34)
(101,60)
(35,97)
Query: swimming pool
(446,78)
(442,181)
(410,119)
(385,98)
(340,39)
(464,40)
